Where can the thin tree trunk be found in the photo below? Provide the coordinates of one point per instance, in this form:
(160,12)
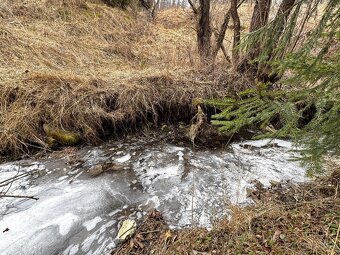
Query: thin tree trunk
(281,18)
(283,13)
(154,9)
(221,34)
(237,28)
(260,14)
(259,19)
(265,70)
(204,32)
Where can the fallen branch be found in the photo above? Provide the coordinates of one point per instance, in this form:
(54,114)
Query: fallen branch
(17,177)
(14,196)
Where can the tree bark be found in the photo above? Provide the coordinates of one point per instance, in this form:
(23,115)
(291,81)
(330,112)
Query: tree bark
(259,19)
(204,32)
(283,13)
(154,9)
(281,19)
(260,14)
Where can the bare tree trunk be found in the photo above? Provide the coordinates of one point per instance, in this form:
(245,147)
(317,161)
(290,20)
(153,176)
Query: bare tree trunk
(221,34)
(204,32)
(155,9)
(146,4)
(258,20)
(260,14)
(237,28)
(283,13)
(281,18)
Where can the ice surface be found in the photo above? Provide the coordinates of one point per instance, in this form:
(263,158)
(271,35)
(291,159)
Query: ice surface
(91,224)
(79,214)
(124,159)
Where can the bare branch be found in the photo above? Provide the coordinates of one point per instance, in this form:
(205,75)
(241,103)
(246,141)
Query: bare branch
(14,196)
(193,7)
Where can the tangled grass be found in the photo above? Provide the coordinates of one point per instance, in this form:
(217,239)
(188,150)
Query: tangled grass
(85,67)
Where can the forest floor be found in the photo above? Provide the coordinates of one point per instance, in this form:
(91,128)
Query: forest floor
(85,67)
(285,219)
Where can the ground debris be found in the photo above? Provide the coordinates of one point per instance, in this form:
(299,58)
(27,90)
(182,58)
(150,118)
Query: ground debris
(286,219)
(152,232)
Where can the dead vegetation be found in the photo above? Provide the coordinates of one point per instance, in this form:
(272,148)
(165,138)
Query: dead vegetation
(286,219)
(84,67)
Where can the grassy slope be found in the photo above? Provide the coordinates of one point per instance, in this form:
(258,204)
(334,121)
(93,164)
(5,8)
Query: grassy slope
(80,65)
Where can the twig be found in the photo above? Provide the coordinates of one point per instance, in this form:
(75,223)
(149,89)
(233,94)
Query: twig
(148,232)
(17,177)
(193,7)
(14,196)
(336,240)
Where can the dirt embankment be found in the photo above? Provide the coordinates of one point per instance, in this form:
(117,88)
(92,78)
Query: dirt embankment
(286,219)
(88,68)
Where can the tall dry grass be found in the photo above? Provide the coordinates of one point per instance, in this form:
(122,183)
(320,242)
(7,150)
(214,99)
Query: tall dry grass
(82,66)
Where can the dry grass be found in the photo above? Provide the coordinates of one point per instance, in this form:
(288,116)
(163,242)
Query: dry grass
(83,66)
(286,219)
(86,67)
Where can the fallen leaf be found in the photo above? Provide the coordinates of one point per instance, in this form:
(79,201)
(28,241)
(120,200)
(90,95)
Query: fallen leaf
(127,229)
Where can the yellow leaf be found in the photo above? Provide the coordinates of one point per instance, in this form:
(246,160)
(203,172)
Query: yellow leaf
(128,228)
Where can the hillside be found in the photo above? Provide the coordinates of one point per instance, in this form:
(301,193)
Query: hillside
(86,67)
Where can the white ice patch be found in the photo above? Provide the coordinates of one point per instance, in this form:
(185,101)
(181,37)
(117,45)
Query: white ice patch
(180,155)
(153,202)
(62,178)
(153,174)
(123,159)
(86,245)
(91,224)
(71,250)
(66,222)
(265,142)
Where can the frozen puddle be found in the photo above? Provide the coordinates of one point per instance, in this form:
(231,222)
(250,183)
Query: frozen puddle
(78,211)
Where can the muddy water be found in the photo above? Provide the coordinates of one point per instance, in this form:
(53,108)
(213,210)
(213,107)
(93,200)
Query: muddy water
(79,208)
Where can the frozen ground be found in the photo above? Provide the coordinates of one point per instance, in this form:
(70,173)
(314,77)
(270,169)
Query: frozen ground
(79,214)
